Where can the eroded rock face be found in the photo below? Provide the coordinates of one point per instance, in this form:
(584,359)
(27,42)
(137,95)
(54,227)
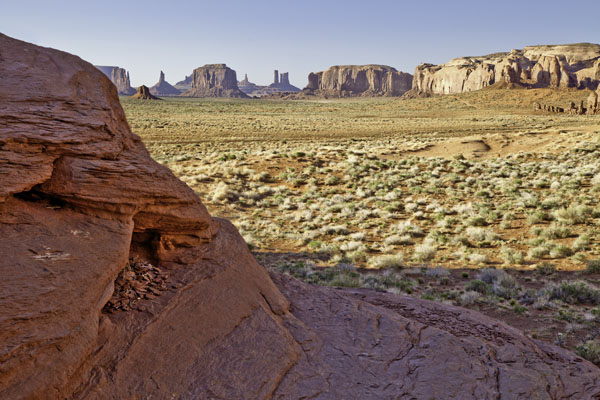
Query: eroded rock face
(214,80)
(560,66)
(81,195)
(164,88)
(143,93)
(120,78)
(359,80)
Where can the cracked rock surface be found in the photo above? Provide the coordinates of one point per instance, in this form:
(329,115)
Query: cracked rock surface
(195,317)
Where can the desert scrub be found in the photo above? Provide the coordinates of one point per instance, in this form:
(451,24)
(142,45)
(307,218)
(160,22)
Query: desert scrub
(425,251)
(589,350)
(574,292)
(511,256)
(386,261)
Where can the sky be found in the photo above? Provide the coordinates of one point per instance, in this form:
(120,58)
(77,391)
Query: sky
(256,37)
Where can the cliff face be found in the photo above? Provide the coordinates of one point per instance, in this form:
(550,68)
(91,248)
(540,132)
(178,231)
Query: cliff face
(214,80)
(559,66)
(89,221)
(359,80)
(119,77)
(164,88)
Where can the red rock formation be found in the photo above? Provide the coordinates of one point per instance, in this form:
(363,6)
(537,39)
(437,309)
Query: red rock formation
(164,88)
(214,80)
(143,93)
(120,77)
(81,195)
(359,80)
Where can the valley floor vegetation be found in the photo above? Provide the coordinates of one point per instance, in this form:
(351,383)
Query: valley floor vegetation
(471,199)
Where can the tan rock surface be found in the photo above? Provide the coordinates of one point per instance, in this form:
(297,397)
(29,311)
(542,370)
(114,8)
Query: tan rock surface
(81,196)
(560,66)
(359,80)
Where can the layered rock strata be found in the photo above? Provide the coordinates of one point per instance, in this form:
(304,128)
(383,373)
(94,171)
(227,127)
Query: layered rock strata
(555,66)
(119,77)
(214,80)
(358,80)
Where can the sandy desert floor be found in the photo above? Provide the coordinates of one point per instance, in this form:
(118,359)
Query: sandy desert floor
(471,199)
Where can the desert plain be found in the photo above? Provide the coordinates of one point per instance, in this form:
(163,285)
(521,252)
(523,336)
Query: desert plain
(472,199)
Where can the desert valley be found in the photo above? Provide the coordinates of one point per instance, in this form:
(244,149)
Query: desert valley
(374,234)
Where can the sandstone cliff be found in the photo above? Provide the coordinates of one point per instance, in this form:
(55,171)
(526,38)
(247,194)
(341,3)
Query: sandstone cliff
(81,198)
(214,80)
(358,80)
(559,66)
(120,78)
(164,88)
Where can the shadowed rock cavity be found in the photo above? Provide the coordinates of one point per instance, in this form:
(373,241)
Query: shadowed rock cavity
(80,195)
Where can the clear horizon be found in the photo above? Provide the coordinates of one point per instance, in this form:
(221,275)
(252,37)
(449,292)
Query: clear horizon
(256,38)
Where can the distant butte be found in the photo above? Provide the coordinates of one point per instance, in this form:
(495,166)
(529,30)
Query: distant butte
(214,80)
(164,88)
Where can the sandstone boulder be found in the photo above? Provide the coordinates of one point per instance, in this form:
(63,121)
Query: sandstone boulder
(359,80)
(120,78)
(164,88)
(143,93)
(81,198)
(214,80)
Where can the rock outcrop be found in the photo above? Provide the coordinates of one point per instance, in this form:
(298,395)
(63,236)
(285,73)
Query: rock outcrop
(86,217)
(185,84)
(164,88)
(120,78)
(560,66)
(214,80)
(590,107)
(358,80)
(249,87)
(281,84)
(143,93)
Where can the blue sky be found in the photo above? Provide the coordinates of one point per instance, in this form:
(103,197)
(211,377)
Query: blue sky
(255,37)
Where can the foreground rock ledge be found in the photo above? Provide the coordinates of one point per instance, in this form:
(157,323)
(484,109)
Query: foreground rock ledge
(80,195)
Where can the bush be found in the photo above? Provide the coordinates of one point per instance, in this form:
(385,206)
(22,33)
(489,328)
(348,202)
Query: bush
(592,266)
(589,350)
(386,261)
(511,256)
(574,292)
(425,251)
(546,269)
(479,286)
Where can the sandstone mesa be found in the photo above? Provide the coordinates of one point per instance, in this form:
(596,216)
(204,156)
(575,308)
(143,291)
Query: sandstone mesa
(555,66)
